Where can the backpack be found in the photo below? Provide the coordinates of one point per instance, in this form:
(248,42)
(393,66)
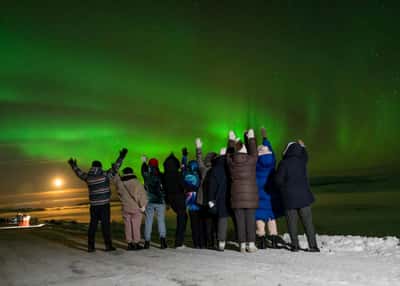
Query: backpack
(191,177)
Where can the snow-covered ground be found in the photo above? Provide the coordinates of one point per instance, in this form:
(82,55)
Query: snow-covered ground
(26,259)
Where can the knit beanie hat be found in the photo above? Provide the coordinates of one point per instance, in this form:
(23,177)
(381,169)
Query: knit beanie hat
(153,163)
(96,164)
(128,171)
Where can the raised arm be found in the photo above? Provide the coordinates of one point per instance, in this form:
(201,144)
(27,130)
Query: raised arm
(82,175)
(252,143)
(199,153)
(184,160)
(145,168)
(265,141)
(304,153)
(115,167)
(230,148)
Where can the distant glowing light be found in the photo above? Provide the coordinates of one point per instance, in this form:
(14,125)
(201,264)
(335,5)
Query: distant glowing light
(58,182)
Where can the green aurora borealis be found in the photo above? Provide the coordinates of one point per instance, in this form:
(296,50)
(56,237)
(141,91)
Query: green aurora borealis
(84,80)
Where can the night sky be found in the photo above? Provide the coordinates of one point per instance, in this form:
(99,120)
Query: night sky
(86,79)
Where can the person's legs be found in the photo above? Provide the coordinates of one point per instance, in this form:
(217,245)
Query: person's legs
(250,225)
(195,226)
(241,225)
(260,224)
(105,226)
(306,220)
(128,226)
(181,220)
(260,232)
(202,230)
(272,227)
(250,229)
(291,219)
(162,231)
(136,223)
(94,219)
(222,228)
(148,222)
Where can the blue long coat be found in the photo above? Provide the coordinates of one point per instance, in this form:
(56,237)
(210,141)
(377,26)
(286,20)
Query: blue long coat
(270,204)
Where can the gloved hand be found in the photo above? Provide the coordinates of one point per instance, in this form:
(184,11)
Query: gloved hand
(199,144)
(263,132)
(232,135)
(123,152)
(184,151)
(143,158)
(250,133)
(72,162)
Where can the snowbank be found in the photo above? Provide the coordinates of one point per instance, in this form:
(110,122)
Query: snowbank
(344,260)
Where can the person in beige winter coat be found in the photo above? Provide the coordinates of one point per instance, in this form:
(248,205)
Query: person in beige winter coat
(134,200)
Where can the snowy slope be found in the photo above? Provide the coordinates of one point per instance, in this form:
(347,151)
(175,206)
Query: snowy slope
(344,260)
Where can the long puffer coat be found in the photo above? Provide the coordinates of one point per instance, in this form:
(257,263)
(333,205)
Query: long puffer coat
(292,179)
(270,205)
(242,169)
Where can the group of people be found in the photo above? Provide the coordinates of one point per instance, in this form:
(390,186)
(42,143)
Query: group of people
(239,182)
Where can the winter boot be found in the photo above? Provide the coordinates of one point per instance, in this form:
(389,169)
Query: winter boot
(131,246)
(261,243)
(146,244)
(274,242)
(137,246)
(91,249)
(163,243)
(294,247)
(221,246)
(313,249)
(243,247)
(252,247)
(110,248)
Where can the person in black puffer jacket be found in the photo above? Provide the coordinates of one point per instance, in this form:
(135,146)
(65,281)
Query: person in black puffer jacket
(292,180)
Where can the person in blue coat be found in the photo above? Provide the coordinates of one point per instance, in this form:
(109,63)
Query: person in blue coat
(269,200)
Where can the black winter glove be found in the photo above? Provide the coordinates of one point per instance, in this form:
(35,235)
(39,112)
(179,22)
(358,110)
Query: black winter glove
(72,162)
(123,152)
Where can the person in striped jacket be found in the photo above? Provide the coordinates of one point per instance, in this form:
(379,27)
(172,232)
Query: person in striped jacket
(98,182)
